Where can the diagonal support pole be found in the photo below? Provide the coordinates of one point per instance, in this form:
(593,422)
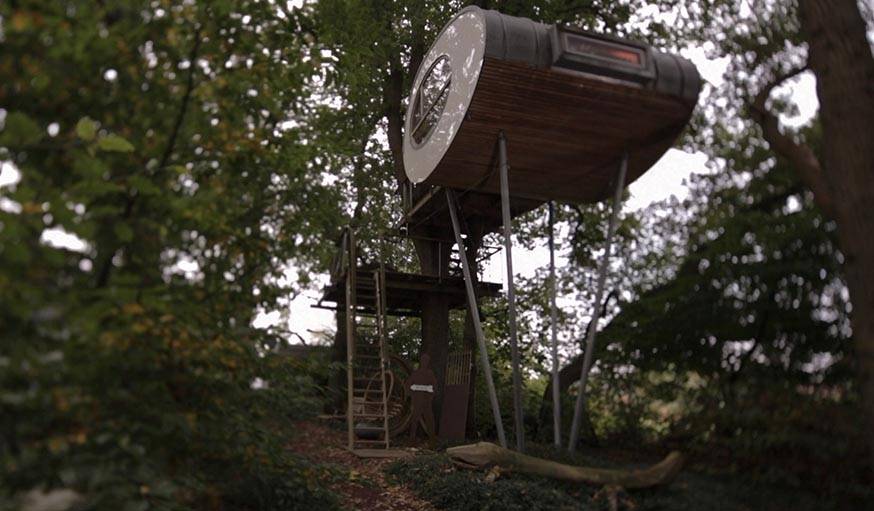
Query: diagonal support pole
(553,319)
(518,420)
(474,314)
(596,313)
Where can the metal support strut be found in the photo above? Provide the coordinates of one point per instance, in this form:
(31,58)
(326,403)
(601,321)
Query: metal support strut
(553,319)
(599,293)
(474,314)
(518,420)
(351,260)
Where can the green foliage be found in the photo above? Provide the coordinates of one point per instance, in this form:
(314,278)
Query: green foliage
(745,349)
(435,479)
(199,148)
(114,143)
(158,133)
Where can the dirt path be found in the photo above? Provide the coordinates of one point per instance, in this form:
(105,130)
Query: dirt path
(366,487)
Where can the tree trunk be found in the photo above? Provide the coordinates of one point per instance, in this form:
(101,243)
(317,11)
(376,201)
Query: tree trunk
(566,377)
(435,342)
(474,242)
(840,57)
(432,257)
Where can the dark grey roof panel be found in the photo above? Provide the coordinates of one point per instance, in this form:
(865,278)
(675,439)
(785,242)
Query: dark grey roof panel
(522,40)
(517,39)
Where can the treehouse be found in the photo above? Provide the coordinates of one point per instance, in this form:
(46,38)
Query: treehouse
(570,103)
(504,115)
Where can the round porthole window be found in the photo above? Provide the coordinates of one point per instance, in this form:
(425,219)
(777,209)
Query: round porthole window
(430,99)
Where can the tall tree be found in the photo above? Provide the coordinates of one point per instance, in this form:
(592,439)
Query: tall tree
(766,48)
(840,57)
(162,135)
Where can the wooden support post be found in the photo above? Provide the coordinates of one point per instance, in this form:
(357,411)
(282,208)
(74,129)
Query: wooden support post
(596,312)
(474,314)
(518,420)
(553,319)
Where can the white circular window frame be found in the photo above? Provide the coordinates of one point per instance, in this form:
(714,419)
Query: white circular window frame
(463,42)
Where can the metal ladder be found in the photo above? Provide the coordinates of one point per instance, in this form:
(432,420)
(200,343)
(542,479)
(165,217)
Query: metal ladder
(367,413)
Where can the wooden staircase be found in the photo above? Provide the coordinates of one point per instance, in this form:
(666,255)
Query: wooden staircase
(367,413)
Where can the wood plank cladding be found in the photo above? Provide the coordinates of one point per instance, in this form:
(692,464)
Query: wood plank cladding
(565,133)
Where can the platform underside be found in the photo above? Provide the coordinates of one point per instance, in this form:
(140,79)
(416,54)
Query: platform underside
(482,210)
(565,134)
(405,292)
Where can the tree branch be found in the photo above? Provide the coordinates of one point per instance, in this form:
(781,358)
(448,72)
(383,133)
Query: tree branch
(183,107)
(106,267)
(611,295)
(802,157)
(300,338)
(393,99)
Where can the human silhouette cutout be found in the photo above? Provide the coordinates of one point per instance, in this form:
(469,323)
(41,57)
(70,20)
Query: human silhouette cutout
(421,385)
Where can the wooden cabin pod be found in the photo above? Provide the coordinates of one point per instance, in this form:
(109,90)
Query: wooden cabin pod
(569,102)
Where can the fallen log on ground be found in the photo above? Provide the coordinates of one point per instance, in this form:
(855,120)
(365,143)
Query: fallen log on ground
(485,454)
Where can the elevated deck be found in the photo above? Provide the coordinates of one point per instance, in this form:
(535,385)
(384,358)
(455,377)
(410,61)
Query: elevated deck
(405,292)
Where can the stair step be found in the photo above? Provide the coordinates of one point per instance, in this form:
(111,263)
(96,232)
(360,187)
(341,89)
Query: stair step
(373,404)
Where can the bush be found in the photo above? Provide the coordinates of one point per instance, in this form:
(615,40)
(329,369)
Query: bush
(155,414)
(437,480)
